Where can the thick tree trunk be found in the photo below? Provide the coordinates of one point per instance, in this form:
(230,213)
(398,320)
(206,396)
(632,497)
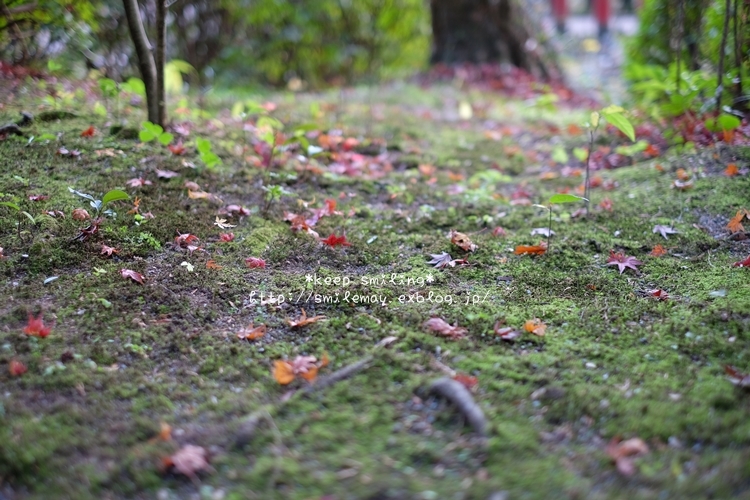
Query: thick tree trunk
(481,31)
(145,58)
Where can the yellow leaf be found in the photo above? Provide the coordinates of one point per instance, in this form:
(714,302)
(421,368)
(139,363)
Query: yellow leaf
(282,372)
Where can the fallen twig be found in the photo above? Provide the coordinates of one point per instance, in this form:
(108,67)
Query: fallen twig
(456,393)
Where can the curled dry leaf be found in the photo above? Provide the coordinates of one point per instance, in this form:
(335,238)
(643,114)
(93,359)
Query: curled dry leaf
(80,214)
(185,240)
(226,237)
(499,232)
(304,320)
(682,185)
(166,174)
(664,230)
(462,241)
(138,182)
(252,332)
(742,263)
(441,260)
(506,332)
(133,275)
(535,326)
(255,263)
(731,170)
(305,366)
(89,132)
(466,380)
(442,327)
(658,294)
(189,460)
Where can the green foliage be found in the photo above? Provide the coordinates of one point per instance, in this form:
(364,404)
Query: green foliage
(656,88)
(208,157)
(173,71)
(615,116)
(152,131)
(109,197)
(564,198)
(723,123)
(323,42)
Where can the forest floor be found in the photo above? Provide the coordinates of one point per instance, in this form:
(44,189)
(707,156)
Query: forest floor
(133,372)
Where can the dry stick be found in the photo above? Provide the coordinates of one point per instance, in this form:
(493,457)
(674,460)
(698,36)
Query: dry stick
(586,182)
(456,393)
(725,33)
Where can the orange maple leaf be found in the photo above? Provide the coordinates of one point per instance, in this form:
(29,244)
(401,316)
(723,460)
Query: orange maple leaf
(252,332)
(211,264)
(735,223)
(89,132)
(658,251)
(535,326)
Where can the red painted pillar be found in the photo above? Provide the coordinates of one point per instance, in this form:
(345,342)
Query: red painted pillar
(559,12)
(602,13)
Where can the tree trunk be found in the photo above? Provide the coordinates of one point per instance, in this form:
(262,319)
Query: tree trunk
(480,31)
(161,36)
(145,58)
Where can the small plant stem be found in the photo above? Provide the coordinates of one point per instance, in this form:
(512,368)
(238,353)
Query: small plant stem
(587,181)
(549,229)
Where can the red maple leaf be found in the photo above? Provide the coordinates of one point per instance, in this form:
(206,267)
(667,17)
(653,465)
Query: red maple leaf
(36,328)
(89,132)
(226,237)
(184,240)
(742,263)
(16,368)
(334,240)
(623,261)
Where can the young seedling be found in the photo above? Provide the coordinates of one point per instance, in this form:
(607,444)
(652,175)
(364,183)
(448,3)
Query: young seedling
(558,199)
(152,131)
(208,157)
(614,115)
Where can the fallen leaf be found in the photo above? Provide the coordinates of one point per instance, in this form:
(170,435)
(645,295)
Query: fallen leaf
(282,372)
(138,182)
(334,240)
(304,320)
(658,293)
(682,174)
(462,241)
(466,380)
(38,197)
(742,263)
(735,223)
(190,459)
(731,170)
(442,327)
(176,149)
(506,332)
(226,237)
(222,223)
(623,451)
(16,368)
(35,327)
(133,275)
(252,332)
(211,264)
(606,204)
(192,186)
(658,251)
(736,377)
(664,230)
(108,251)
(531,249)
(499,232)
(441,260)
(166,174)
(542,231)
(184,240)
(682,185)
(535,326)
(623,261)
(80,214)
(255,263)
(89,132)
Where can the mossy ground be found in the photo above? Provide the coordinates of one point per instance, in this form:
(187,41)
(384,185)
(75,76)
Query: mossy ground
(123,357)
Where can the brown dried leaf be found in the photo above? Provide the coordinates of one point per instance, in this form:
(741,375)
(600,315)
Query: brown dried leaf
(442,327)
(462,241)
(304,320)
